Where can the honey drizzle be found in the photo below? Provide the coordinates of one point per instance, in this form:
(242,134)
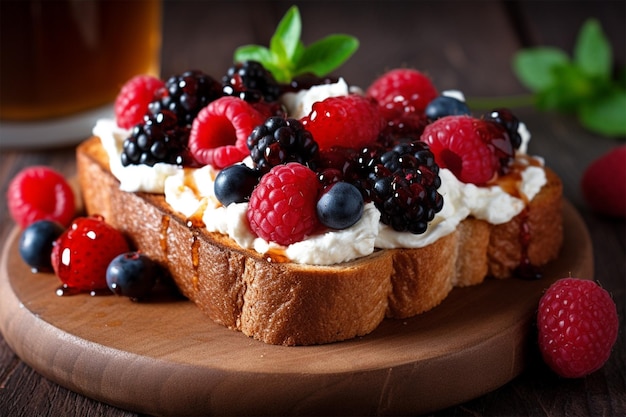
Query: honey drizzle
(511,183)
(275,255)
(165,224)
(195,261)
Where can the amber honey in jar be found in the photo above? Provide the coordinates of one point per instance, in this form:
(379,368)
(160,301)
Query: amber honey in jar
(60,57)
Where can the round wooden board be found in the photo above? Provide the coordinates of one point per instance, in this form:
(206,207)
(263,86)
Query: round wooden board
(166,358)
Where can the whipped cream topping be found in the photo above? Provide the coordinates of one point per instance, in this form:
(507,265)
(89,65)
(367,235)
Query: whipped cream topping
(190,192)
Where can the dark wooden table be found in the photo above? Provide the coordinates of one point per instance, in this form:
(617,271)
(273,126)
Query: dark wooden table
(465,45)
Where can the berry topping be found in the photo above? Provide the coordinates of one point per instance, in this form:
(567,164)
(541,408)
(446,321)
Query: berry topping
(403,95)
(186,94)
(474,150)
(403,84)
(159,139)
(40,193)
(35,244)
(442,106)
(235,183)
(250,81)
(81,255)
(340,206)
(278,141)
(133,99)
(602,183)
(403,186)
(509,121)
(351,121)
(132,275)
(283,205)
(577,323)
(219,133)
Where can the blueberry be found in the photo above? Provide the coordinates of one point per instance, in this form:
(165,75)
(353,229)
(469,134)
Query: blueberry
(132,275)
(35,244)
(235,183)
(341,206)
(445,106)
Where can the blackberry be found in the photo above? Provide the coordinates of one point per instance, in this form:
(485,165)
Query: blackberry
(280,140)
(186,94)
(159,139)
(251,82)
(403,185)
(507,119)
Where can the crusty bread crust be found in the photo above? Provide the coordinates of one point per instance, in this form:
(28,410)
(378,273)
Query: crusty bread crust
(292,304)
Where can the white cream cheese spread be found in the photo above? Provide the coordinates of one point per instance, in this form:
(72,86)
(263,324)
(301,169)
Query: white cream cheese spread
(190,192)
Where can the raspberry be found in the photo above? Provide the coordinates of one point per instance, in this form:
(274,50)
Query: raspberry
(219,133)
(577,322)
(403,95)
(81,255)
(474,150)
(602,183)
(40,193)
(350,121)
(133,99)
(283,206)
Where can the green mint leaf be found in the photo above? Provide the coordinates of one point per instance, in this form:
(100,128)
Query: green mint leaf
(570,88)
(326,55)
(253,53)
(284,43)
(534,67)
(606,114)
(592,52)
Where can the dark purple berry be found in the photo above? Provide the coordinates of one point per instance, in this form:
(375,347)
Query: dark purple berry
(510,122)
(280,140)
(442,106)
(340,206)
(35,244)
(235,183)
(186,94)
(159,139)
(132,275)
(251,82)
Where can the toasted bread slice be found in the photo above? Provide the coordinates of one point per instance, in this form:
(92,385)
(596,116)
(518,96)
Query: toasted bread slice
(293,304)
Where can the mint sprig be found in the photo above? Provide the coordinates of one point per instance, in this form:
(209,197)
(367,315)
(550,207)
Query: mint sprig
(581,84)
(287,57)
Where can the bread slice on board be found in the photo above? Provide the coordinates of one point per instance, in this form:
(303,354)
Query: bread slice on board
(287,303)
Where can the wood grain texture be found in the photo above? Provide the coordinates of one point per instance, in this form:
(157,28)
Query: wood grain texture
(166,358)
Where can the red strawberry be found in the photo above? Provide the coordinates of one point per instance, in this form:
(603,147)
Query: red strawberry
(349,121)
(403,95)
(473,149)
(132,101)
(577,322)
(283,205)
(81,255)
(603,183)
(40,193)
(220,131)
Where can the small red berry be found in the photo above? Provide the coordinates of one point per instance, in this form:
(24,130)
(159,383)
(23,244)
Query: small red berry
(133,99)
(349,121)
(282,207)
(403,90)
(220,131)
(603,183)
(577,323)
(81,255)
(469,147)
(40,193)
